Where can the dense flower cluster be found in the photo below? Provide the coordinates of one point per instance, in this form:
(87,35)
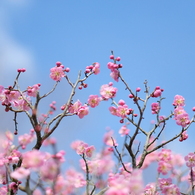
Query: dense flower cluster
(180,115)
(38,172)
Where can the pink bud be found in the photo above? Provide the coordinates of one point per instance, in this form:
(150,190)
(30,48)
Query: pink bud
(121,102)
(131,96)
(122,121)
(111,57)
(67,69)
(87,71)
(138,89)
(118,59)
(120,66)
(135,115)
(85,85)
(193,109)
(157,87)
(80,87)
(58,64)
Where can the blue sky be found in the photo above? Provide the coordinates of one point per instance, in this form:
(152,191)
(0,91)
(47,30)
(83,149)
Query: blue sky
(155,40)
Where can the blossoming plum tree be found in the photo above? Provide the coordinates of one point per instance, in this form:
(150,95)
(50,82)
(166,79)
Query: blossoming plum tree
(35,172)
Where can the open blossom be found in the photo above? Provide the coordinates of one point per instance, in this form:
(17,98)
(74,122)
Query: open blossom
(113,111)
(164,167)
(167,187)
(150,189)
(32,91)
(83,111)
(165,155)
(93,100)
(108,91)
(115,75)
(181,116)
(22,103)
(179,101)
(78,109)
(89,151)
(20,173)
(75,178)
(33,159)
(96,68)
(122,111)
(190,160)
(124,131)
(182,120)
(56,73)
(79,146)
(53,166)
(26,139)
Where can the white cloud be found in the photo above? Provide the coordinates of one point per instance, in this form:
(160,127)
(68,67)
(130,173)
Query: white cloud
(13,54)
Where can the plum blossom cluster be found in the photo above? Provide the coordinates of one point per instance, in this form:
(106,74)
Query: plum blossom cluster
(107,91)
(79,109)
(121,110)
(58,72)
(155,107)
(113,66)
(94,68)
(180,115)
(10,97)
(157,92)
(37,172)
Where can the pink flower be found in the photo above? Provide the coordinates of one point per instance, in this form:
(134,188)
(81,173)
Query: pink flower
(115,74)
(107,91)
(122,111)
(32,91)
(165,155)
(181,116)
(75,178)
(33,159)
(155,107)
(150,189)
(179,101)
(53,167)
(79,146)
(25,139)
(56,73)
(164,182)
(89,151)
(20,173)
(22,103)
(113,111)
(75,107)
(96,68)
(124,131)
(78,109)
(93,100)
(83,111)
(164,167)
(190,160)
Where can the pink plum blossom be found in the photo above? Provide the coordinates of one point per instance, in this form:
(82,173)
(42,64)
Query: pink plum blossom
(108,91)
(155,107)
(124,131)
(20,173)
(190,160)
(94,100)
(32,91)
(96,68)
(56,73)
(179,101)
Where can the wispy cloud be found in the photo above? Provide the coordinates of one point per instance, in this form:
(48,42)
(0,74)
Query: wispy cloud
(13,54)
